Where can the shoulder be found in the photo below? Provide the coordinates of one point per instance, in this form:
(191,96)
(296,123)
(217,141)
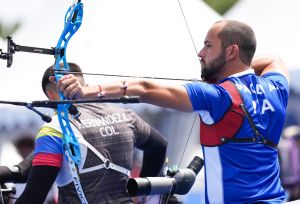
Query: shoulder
(50,129)
(210,100)
(276,77)
(205,90)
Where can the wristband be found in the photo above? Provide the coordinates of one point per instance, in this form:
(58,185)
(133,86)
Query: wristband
(124,87)
(101,92)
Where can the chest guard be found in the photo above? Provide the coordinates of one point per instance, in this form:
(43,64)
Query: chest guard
(224,130)
(229,124)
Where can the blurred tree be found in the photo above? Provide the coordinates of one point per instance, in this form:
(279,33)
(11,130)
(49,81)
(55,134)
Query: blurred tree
(220,6)
(8,30)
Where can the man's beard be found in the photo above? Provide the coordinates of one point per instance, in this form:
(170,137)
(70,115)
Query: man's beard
(209,72)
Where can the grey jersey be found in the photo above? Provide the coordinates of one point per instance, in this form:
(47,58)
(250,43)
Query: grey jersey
(114,132)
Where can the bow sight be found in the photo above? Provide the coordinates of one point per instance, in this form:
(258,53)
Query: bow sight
(12,47)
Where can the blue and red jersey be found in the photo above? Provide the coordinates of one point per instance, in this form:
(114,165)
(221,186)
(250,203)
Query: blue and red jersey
(249,171)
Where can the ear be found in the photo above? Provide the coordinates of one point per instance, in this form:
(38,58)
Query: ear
(232,52)
(52,95)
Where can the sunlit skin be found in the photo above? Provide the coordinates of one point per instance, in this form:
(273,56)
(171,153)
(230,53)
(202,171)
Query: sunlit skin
(52,93)
(211,55)
(217,63)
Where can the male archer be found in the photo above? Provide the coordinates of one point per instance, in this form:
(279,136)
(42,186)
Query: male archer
(107,135)
(242,106)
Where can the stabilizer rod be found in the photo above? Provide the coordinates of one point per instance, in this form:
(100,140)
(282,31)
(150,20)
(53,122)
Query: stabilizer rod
(12,47)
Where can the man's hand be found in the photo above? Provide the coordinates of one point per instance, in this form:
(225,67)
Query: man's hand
(73,88)
(265,64)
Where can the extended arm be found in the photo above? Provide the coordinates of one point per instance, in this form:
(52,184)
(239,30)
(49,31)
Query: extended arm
(265,64)
(163,95)
(154,154)
(168,96)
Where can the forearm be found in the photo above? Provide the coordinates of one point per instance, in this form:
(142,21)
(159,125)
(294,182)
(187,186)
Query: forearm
(159,94)
(39,183)
(149,91)
(154,154)
(133,88)
(25,166)
(265,64)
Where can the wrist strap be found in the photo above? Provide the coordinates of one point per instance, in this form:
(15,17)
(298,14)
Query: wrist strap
(101,92)
(124,87)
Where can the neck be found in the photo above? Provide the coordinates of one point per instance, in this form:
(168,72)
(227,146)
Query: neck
(230,69)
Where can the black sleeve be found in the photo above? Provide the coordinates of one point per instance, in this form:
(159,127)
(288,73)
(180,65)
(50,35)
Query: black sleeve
(40,181)
(17,173)
(154,154)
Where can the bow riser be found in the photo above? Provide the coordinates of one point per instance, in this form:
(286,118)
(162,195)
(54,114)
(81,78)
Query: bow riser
(71,147)
(73,20)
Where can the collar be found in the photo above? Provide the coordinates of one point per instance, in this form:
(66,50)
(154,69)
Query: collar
(248,71)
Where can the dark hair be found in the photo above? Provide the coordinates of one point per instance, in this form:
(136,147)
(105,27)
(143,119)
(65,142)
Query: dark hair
(235,32)
(50,72)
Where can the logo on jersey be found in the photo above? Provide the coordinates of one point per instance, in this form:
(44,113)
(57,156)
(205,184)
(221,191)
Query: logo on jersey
(263,104)
(105,123)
